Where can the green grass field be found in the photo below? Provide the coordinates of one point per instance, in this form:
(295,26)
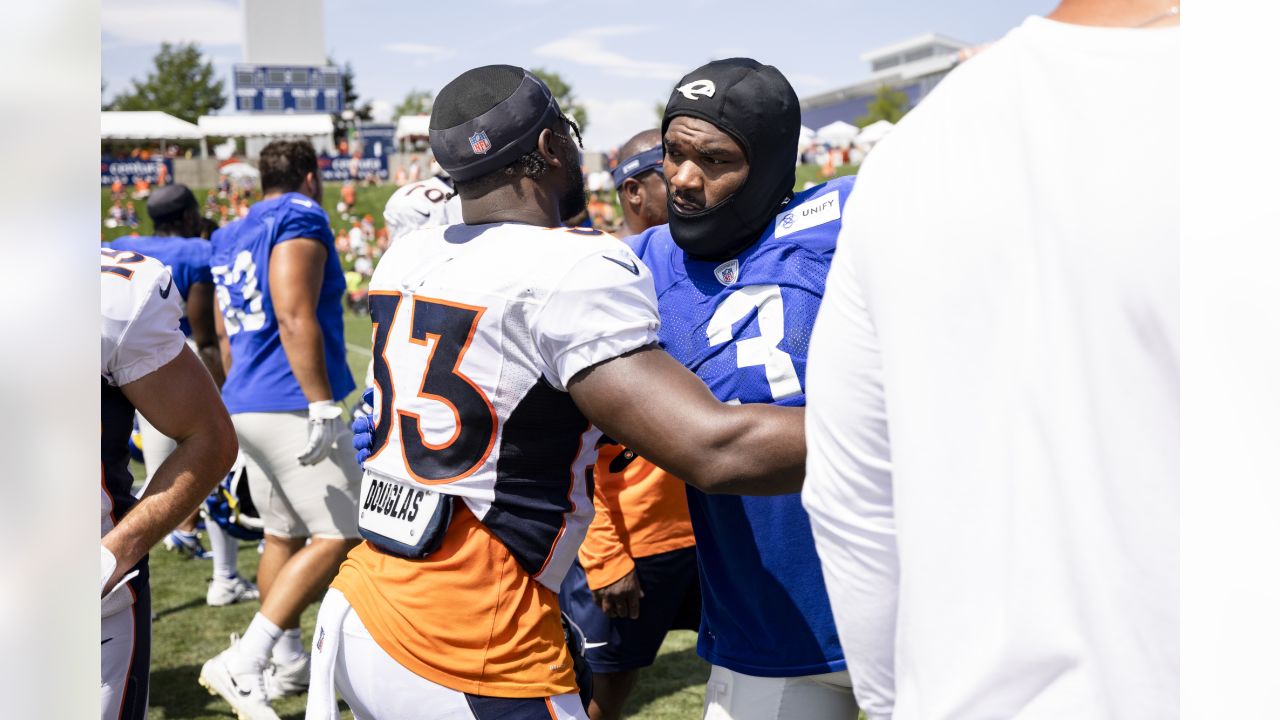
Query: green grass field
(187,631)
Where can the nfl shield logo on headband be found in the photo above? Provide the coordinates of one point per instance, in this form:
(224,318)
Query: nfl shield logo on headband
(480,143)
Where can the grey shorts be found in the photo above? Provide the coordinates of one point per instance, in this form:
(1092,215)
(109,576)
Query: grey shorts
(296,500)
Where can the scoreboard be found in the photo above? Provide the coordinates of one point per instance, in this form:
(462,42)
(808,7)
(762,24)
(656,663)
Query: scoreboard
(284,88)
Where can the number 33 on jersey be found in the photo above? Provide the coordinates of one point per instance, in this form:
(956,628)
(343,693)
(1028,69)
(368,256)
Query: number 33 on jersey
(476,332)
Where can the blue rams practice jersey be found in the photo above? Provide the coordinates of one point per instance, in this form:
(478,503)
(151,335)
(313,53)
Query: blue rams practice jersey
(186,258)
(743,326)
(260,379)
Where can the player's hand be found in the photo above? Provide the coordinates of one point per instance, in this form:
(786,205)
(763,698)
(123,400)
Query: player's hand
(362,428)
(365,406)
(362,437)
(622,598)
(324,424)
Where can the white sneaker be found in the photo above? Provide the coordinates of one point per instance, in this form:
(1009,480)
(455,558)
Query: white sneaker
(223,591)
(291,678)
(239,683)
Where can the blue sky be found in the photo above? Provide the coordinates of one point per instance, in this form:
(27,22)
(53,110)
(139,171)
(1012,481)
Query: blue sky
(621,58)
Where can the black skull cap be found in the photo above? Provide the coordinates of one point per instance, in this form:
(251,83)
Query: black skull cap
(168,201)
(487,117)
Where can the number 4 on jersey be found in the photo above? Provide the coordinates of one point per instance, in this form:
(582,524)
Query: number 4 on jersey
(446,329)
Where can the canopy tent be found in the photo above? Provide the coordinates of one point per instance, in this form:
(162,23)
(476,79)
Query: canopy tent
(237,170)
(875,132)
(806,135)
(838,133)
(266,125)
(413,126)
(146,125)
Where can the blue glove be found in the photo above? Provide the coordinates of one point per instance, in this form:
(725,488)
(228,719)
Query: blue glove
(362,430)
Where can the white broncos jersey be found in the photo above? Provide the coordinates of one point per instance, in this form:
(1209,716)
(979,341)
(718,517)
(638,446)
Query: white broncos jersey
(140,334)
(426,203)
(477,331)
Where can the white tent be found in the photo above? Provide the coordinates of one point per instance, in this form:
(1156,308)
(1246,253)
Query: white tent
(146,125)
(838,133)
(874,133)
(806,135)
(412,125)
(266,125)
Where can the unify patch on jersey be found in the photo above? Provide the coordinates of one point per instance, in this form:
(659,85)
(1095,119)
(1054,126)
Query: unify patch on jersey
(400,517)
(822,209)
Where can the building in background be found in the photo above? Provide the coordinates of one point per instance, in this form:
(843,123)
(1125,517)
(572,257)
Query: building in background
(913,67)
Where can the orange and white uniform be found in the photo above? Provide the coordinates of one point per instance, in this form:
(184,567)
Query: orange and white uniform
(477,331)
(640,511)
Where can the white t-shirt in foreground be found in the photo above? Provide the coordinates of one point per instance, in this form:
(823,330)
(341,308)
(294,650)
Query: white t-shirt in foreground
(1003,305)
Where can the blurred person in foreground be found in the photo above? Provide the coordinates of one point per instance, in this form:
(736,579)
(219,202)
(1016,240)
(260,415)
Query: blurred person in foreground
(498,344)
(177,243)
(280,290)
(993,432)
(145,365)
(637,575)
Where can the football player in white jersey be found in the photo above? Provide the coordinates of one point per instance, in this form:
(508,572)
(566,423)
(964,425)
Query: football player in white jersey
(145,363)
(426,203)
(499,346)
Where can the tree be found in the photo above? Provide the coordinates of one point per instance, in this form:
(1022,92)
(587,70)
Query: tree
(349,94)
(660,109)
(888,104)
(563,93)
(182,84)
(417,102)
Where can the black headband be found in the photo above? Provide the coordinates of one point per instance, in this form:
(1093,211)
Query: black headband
(642,161)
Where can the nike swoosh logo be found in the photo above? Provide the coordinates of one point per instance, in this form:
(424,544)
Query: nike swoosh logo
(104,642)
(165,292)
(588,646)
(242,691)
(630,267)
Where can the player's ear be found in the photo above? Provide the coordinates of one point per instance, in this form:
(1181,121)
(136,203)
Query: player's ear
(547,148)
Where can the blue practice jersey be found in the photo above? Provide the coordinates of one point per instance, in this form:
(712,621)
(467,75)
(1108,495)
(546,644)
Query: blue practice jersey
(743,326)
(186,258)
(260,379)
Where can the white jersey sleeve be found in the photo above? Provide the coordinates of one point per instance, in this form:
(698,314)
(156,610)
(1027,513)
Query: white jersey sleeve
(603,307)
(140,314)
(421,204)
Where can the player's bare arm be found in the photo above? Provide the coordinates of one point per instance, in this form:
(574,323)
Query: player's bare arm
(206,449)
(733,449)
(200,313)
(224,343)
(296,274)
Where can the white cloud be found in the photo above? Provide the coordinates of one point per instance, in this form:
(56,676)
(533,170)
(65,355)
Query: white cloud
(586,47)
(144,22)
(412,48)
(381,110)
(612,122)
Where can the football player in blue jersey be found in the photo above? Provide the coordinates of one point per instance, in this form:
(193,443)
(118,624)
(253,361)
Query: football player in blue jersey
(175,217)
(740,270)
(280,326)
